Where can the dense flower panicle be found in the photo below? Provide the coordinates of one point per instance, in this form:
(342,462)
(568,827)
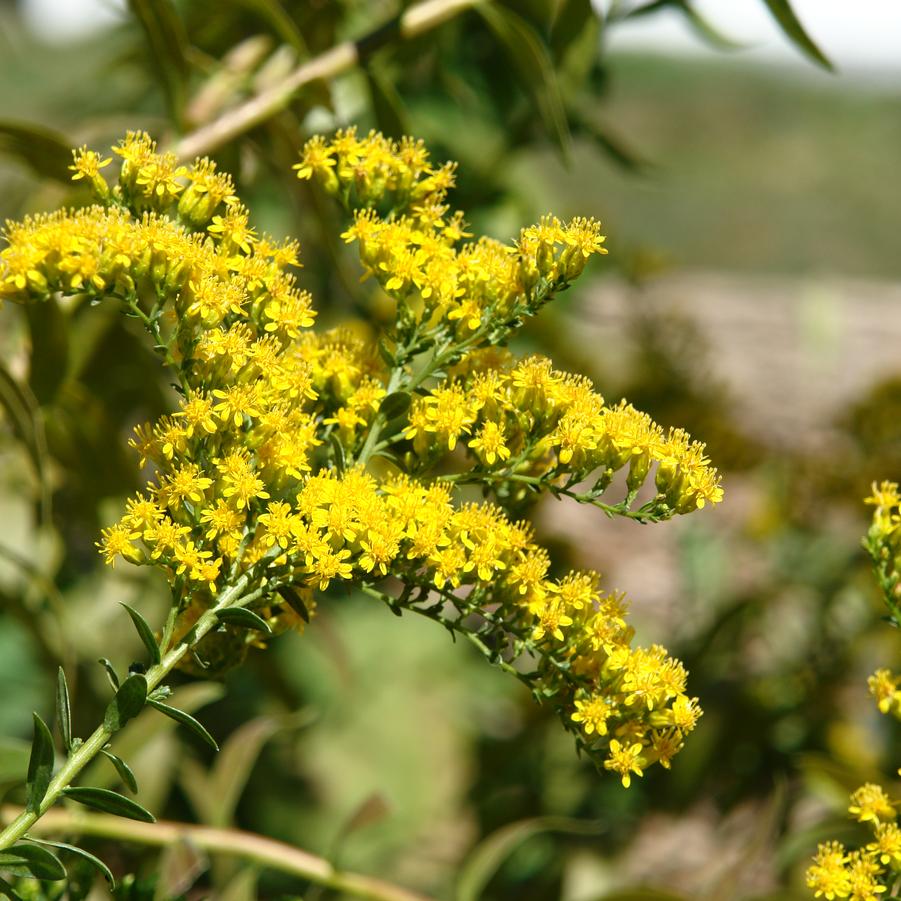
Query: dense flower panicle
(300,460)
(864,874)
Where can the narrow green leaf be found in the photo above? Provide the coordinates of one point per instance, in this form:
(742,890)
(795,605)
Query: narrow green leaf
(387,105)
(27,859)
(63,710)
(532,62)
(145,633)
(243,619)
(123,769)
(48,363)
(109,802)
(570,22)
(395,404)
(186,720)
(9,890)
(127,703)
(166,42)
(489,854)
(40,765)
(791,26)
(45,152)
(80,852)
(294,601)
(110,673)
(704,29)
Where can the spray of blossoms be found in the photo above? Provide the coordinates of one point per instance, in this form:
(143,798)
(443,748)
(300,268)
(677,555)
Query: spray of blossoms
(295,461)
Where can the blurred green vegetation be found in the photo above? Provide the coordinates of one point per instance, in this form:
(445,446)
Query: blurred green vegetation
(373,740)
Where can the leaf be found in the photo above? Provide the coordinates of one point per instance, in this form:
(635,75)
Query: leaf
(612,144)
(123,769)
(128,703)
(294,601)
(791,26)
(179,868)
(487,857)
(110,673)
(387,105)
(243,619)
(26,859)
(569,24)
(395,404)
(704,29)
(63,709)
(14,754)
(186,720)
(40,766)
(530,57)
(45,152)
(234,764)
(10,891)
(145,633)
(48,328)
(109,802)
(166,42)
(85,855)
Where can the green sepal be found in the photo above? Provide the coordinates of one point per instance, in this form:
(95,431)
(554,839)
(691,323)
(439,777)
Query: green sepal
(109,802)
(128,703)
(85,855)
(123,769)
(40,766)
(243,618)
(185,719)
(63,709)
(26,859)
(145,633)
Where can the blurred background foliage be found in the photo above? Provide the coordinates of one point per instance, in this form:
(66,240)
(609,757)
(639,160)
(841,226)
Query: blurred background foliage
(747,297)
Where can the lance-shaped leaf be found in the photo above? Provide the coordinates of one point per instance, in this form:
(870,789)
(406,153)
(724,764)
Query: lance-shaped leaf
(27,859)
(46,152)
(294,601)
(109,802)
(123,769)
(63,709)
(110,673)
(791,26)
(533,65)
(85,855)
(186,720)
(145,633)
(40,766)
(243,619)
(128,702)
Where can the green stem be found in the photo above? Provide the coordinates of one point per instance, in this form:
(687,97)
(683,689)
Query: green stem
(413,21)
(88,750)
(257,849)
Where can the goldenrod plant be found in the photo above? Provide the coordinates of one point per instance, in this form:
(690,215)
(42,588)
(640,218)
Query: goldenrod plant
(297,464)
(874,870)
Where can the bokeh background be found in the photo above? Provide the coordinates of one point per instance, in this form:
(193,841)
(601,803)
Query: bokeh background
(752,295)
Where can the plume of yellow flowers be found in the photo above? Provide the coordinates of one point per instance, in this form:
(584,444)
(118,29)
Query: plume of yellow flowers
(297,461)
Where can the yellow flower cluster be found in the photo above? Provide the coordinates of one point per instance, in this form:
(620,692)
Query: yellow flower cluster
(295,460)
(866,873)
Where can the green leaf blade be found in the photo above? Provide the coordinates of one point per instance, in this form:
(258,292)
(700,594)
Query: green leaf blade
(85,855)
(123,769)
(145,633)
(28,859)
(40,766)
(185,719)
(128,702)
(792,28)
(63,709)
(107,801)
(243,619)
